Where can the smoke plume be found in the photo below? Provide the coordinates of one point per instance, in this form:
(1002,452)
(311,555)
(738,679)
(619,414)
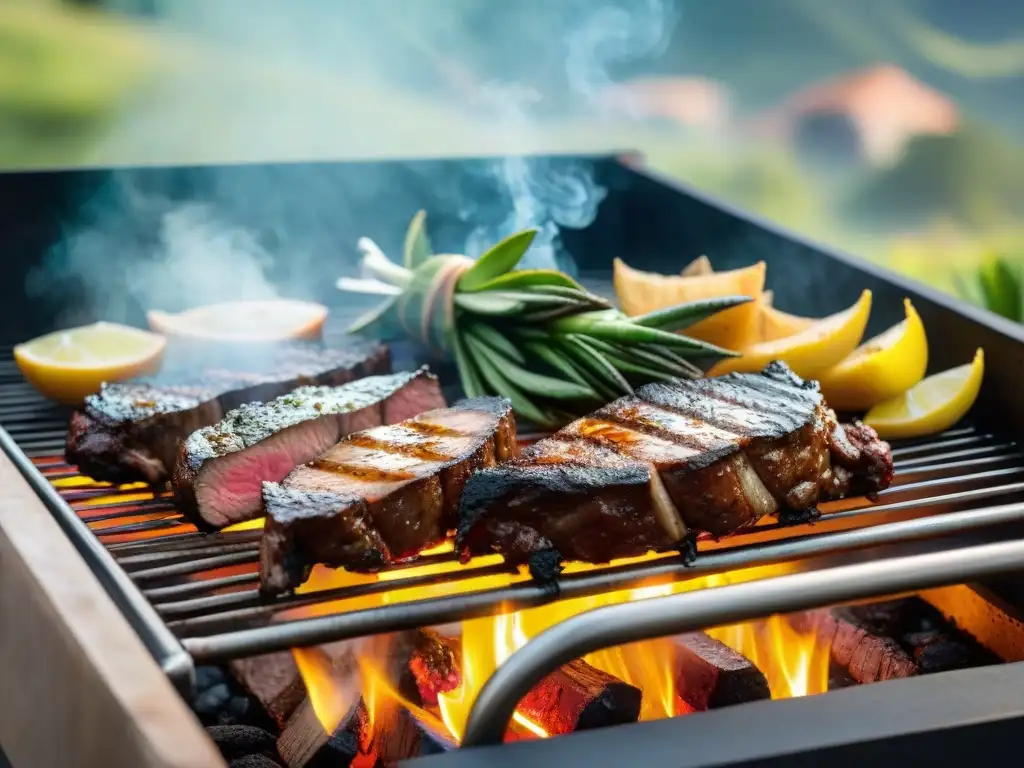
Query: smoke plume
(318,75)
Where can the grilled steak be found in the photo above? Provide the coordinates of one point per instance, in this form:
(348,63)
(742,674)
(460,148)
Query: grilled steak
(133,431)
(381,495)
(648,471)
(220,469)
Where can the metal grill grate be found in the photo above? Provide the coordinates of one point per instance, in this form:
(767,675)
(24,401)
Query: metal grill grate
(198,591)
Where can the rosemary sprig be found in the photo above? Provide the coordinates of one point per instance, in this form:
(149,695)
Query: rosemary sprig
(535,336)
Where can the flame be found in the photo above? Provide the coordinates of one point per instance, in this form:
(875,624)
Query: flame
(247,525)
(794,664)
(331,697)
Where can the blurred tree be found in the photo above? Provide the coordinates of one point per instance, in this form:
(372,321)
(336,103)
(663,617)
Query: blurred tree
(828,141)
(63,72)
(974,177)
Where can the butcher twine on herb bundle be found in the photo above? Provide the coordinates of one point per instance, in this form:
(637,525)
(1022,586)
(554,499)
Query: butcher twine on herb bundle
(535,336)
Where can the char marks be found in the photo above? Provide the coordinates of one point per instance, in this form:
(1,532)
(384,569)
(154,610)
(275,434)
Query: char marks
(679,457)
(220,469)
(405,481)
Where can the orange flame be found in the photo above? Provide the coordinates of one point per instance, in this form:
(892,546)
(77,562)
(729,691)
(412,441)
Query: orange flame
(794,664)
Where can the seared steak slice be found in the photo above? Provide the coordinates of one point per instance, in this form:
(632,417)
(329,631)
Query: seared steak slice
(220,469)
(381,495)
(646,472)
(133,431)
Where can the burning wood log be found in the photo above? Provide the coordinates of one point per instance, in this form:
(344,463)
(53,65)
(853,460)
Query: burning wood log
(892,639)
(577,697)
(350,739)
(709,675)
(274,681)
(864,652)
(304,741)
(419,664)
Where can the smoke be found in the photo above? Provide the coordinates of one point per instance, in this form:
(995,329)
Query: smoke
(545,196)
(319,77)
(539,194)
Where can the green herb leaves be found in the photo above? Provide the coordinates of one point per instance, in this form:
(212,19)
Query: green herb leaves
(535,336)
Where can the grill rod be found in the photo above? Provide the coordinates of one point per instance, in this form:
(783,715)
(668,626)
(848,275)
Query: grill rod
(529,594)
(638,572)
(661,616)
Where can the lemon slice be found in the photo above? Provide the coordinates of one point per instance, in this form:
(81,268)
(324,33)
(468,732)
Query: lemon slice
(813,350)
(642,292)
(881,368)
(243,321)
(931,406)
(68,365)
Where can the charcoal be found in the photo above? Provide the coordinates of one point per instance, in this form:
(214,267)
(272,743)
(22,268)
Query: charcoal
(943,655)
(212,700)
(207,677)
(893,639)
(235,741)
(274,681)
(578,697)
(236,711)
(254,761)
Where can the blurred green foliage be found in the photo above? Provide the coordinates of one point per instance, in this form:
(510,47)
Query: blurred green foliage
(79,87)
(974,177)
(996,284)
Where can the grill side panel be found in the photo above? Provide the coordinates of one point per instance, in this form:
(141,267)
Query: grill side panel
(79,687)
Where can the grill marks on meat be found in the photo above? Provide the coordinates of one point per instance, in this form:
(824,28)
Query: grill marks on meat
(381,495)
(640,474)
(132,432)
(220,469)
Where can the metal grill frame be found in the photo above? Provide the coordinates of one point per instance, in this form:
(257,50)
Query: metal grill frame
(674,210)
(182,629)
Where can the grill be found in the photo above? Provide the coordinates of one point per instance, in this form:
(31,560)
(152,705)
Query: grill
(192,597)
(946,484)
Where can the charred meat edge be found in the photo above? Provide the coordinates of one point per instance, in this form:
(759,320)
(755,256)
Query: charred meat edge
(301,425)
(617,484)
(132,432)
(309,526)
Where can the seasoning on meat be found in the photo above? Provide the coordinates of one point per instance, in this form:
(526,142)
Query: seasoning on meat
(132,432)
(220,470)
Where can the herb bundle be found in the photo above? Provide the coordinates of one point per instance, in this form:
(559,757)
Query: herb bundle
(534,336)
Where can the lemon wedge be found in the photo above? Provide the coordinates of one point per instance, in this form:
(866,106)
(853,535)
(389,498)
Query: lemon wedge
(243,321)
(813,350)
(881,368)
(642,292)
(776,324)
(931,406)
(698,267)
(68,365)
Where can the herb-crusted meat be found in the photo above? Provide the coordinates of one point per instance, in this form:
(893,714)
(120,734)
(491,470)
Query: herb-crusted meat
(381,495)
(680,457)
(220,469)
(131,432)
